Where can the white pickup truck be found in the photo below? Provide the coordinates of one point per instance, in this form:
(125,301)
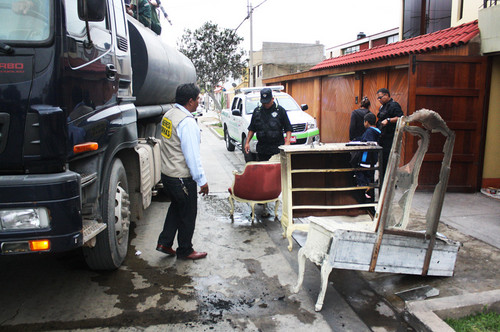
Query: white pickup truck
(236,120)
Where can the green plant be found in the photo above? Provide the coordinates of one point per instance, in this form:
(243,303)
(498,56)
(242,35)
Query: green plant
(485,321)
(219,130)
(222,100)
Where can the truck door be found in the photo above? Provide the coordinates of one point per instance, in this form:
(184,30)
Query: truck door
(90,73)
(122,50)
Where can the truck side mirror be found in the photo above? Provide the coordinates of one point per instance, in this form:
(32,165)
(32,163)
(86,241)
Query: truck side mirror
(236,112)
(92,10)
(304,107)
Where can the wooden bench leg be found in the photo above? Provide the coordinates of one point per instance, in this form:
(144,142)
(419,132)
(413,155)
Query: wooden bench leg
(253,211)
(289,237)
(301,258)
(232,208)
(326,268)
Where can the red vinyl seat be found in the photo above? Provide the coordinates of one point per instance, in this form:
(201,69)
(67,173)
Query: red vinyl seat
(259,183)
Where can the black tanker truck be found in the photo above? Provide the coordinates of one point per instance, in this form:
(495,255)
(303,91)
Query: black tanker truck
(83,87)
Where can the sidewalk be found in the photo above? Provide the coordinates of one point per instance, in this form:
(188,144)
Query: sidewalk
(471,219)
(474,214)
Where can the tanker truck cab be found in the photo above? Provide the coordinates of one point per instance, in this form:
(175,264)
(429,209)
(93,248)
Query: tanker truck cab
(237,119)
(79,154)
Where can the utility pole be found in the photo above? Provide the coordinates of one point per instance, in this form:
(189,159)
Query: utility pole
(250,64)
(250,61)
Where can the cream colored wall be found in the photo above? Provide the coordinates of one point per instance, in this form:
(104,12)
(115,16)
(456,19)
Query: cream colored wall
(491,168)
(471,8)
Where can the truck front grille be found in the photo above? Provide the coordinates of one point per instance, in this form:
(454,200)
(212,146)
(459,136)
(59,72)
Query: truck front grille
(298,127)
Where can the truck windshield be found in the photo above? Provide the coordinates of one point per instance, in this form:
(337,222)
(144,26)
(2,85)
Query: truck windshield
(25,20)
(287,102)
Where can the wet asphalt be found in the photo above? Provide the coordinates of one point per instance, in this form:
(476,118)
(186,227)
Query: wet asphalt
(244,284)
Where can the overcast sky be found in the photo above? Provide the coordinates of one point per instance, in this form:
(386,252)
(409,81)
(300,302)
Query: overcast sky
(331,22)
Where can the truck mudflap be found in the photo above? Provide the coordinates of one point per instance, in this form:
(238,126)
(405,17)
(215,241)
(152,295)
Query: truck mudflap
(40,212)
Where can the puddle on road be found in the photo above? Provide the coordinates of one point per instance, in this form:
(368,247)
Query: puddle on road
(168,297)
(237,301)
(368,305)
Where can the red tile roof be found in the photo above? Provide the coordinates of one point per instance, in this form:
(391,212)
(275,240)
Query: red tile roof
(450,37)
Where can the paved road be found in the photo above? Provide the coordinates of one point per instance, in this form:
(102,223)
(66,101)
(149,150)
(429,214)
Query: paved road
(244,284)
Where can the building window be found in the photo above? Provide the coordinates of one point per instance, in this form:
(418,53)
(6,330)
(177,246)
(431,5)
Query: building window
(392,39)
(259,71)
(438,15)
(425,16)
(350,50)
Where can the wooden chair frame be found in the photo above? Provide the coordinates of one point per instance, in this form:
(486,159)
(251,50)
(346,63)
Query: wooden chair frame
(328,241)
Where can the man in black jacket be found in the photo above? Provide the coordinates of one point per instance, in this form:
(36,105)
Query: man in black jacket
(269,121)
(388,115)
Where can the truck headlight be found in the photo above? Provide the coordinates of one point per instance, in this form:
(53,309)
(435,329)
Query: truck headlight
(22,219)
(311,125)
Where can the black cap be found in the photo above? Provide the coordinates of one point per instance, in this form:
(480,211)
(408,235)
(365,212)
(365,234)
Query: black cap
(266,95)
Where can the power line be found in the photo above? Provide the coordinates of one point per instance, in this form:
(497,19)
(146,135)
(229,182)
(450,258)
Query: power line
(248,15)
(246,18)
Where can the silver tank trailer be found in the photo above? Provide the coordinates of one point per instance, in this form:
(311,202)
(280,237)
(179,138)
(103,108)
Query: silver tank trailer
(157,68)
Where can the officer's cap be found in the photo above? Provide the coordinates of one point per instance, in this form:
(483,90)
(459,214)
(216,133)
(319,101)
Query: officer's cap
(266,95)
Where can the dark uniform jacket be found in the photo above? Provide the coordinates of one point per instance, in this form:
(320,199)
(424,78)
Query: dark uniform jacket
(269,124)
(357,125)
(391,109)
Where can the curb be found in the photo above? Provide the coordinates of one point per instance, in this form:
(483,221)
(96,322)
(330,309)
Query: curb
(428,315)
(207,122)
(215,132)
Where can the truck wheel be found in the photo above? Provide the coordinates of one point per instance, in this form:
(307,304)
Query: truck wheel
(248,156)
(112,244)
(229,144)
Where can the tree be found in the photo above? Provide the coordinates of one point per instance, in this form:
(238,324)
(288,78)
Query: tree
(215,55)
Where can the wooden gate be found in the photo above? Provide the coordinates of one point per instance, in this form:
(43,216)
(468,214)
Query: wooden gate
(454,87)
(337,103)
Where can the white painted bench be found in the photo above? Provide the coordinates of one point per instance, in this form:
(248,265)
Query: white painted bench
(384,244)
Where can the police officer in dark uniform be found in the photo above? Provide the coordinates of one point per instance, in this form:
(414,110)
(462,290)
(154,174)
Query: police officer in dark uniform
(269,121)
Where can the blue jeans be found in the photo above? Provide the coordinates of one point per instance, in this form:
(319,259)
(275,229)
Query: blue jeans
(181,215)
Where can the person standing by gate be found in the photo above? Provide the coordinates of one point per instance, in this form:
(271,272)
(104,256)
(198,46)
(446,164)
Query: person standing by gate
(357,125)
(181,171)
(388,115)
(366,159)
(269,121)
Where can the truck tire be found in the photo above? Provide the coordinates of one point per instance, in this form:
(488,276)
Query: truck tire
(112,244)
(248,156)
(229,144)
